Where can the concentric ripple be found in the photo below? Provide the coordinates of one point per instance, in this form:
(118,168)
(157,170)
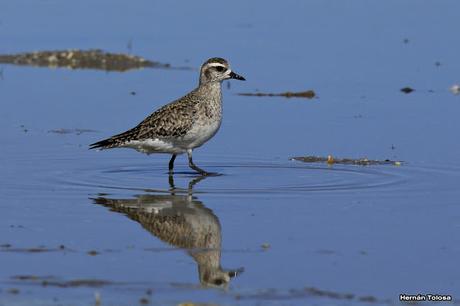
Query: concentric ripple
(239,175)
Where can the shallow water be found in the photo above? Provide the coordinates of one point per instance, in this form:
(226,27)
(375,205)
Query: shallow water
(73,220)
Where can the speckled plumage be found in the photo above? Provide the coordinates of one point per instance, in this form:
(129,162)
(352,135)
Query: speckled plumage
(172,121)
(183,124)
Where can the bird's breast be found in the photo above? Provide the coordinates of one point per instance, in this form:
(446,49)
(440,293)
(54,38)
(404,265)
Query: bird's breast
(200,133)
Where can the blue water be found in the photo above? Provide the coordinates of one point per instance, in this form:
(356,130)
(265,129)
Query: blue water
(368,231)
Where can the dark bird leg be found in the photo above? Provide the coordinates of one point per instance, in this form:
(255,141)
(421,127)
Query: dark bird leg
(172,186)
(193,182)
(195,167)
(171,163)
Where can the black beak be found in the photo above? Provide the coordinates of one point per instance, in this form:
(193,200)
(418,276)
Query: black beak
(233,273)
(235,76)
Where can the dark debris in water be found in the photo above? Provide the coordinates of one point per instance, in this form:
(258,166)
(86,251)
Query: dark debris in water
(81,59)
(345,161)
(39,249)
(29,250)
(63,131)
(23,128)
(52,281)
(309,94)
(265,246)
(407,90)
(31,277)
(92,283)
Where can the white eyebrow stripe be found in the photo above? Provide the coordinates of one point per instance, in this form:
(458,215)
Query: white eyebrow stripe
(216,65)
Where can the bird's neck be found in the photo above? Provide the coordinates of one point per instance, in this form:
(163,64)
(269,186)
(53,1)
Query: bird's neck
(212,90)
(211,84)
(211,99)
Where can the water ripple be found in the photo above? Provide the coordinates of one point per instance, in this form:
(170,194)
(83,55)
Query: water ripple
(240,175)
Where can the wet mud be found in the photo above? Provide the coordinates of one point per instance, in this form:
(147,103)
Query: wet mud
(40,249)
(52,281)
(64,131)
(81,59)
(345,161)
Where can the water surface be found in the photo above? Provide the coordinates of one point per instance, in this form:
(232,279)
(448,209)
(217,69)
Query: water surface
(73,221)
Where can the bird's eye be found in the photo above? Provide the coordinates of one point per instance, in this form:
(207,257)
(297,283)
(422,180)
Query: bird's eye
(218,282)
(220,68)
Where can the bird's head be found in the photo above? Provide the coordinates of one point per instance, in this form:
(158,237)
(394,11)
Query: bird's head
(217,69)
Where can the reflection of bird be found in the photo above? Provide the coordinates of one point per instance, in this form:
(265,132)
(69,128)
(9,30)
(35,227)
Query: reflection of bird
(184,222)
(183,125)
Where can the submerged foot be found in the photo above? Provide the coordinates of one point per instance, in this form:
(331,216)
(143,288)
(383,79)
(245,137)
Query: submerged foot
(210,173)
(206,173)
(203,172)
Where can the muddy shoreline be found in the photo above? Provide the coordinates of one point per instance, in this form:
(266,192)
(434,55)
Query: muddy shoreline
(82,59)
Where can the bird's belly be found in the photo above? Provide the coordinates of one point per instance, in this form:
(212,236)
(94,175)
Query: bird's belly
(154,145)
(199,134)
(195,137)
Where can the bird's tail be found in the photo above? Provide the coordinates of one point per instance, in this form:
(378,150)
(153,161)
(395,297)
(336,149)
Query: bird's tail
(114,141)
(103,144)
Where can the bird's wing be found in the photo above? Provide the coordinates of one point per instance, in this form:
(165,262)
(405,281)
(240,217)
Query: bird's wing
(171,120)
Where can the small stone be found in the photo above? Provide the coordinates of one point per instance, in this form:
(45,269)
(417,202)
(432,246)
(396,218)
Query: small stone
(455,89)
(266,246)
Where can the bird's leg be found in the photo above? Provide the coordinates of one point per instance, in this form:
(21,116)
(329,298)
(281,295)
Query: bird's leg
(172,186)
(195,167)
(195,181)
(171,163)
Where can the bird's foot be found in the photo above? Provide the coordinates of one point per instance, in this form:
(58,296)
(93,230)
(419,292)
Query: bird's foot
(203,172)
